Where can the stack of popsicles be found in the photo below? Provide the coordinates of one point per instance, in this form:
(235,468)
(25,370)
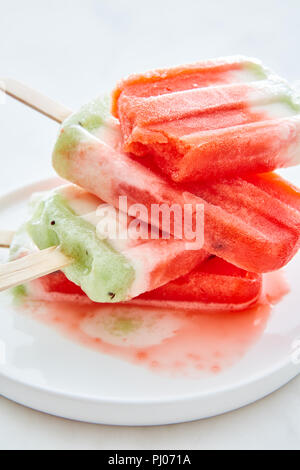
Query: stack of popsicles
(208,134)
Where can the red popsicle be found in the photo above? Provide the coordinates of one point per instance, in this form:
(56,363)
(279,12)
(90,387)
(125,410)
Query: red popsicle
(215,119)
(249,222)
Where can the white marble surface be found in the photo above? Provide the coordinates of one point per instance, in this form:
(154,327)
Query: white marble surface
(73,50)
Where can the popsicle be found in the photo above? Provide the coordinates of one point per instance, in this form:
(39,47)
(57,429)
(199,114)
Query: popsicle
(246,222)
(213,284)
(110,262)
(214,119)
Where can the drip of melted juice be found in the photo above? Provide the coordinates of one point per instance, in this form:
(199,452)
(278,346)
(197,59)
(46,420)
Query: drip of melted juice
(166,340)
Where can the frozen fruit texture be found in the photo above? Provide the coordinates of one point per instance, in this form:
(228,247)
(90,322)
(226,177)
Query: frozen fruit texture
(213,284)
(249,221)
(212,120)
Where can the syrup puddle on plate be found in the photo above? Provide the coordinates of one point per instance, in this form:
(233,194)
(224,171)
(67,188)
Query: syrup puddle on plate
(173,341)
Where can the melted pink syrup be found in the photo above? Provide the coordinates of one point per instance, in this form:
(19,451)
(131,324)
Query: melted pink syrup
(204,341)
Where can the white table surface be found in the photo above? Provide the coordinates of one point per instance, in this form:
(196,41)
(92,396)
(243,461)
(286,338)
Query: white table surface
(73,50)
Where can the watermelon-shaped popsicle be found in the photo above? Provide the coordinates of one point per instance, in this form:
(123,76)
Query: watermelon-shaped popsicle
(213,284)
(211,120)
(251,224)
(109,264)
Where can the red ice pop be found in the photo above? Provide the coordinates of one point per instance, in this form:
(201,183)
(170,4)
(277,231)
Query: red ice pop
(213,284)
(253,223)
(214,119)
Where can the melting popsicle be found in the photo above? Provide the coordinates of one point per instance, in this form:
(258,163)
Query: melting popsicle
(211,120)
(253,223)
(110,262)
(213,284)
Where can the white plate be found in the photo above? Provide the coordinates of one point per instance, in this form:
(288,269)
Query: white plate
(55,373)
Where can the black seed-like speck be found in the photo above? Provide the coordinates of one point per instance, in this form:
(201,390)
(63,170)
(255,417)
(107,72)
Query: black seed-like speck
(218,246)
(112,295)
(53,222)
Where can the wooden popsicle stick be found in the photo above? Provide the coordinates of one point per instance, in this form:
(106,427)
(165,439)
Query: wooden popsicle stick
(34,99)
(6,237)
(32,267)
(47,261)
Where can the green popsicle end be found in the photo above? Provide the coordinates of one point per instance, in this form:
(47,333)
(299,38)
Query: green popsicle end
(102,273)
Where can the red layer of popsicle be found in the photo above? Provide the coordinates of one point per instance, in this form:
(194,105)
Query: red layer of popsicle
(215,119)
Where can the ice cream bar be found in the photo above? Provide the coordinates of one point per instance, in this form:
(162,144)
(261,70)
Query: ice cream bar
(215,119)
(251,223)
(110,263)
